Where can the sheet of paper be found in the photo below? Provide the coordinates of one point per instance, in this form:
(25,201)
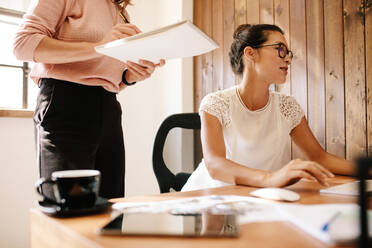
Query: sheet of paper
(312,218)
(178,40)
(351,188)
(250,209)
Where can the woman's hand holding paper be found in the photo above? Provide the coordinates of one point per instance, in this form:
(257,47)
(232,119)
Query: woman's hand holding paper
(136,71)
(141,70)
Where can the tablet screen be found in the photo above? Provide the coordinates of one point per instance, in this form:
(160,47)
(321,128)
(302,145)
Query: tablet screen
(172,225)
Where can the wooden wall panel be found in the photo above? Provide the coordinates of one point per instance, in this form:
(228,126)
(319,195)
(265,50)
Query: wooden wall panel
(267,17)
(315,68)
(203,66)
(334,77)
(240,12)
(330,74)
(368,41)
(207,59)
(299,62)
(240,18)
(253,11)
(198,79)
(217,55)
(281,8)
(228,31)
(267,11)
(354,80)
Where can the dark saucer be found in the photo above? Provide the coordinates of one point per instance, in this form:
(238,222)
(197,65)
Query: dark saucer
(102,204)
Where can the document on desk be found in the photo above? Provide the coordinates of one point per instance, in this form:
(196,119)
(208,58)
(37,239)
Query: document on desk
(179,40)
(249,209)
(330,223)
(351,188)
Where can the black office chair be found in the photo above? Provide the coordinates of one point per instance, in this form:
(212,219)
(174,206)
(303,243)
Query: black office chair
(166,179)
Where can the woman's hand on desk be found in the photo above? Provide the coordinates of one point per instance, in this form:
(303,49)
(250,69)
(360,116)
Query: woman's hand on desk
(295,171)
(142,70)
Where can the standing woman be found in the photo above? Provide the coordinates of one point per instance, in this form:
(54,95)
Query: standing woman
(77,117)
(245,129)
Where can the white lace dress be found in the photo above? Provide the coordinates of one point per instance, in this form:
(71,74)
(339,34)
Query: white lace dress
(257,139)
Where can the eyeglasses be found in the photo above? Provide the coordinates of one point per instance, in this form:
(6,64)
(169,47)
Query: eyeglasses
(283,51)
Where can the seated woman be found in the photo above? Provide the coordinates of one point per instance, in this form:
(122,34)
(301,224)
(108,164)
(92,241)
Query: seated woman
(245,129)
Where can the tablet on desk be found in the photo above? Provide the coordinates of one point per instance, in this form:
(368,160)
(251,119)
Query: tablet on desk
(351,188)
(165,224)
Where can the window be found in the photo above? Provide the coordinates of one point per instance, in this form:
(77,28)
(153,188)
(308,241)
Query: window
(17,91)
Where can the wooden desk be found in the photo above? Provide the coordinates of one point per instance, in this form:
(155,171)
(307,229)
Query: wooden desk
(80,231)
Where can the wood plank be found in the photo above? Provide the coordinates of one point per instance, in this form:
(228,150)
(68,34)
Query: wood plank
(207,59)
(267,17)
(228,31)
(267,11)
(281,8)
(206,69)
(18,113)
(368,40)
(315,69)
(240,18)
(198,13)
(217,30)
(334,77)
(240,12)
(198,82)
(354,81)
(299,62)
(253,11)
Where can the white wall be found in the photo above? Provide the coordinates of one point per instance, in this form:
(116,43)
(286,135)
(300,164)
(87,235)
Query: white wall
(20,5)
(145,105)
(17,178)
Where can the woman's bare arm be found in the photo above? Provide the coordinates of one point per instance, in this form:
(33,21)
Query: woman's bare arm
(304,138)
(53,51)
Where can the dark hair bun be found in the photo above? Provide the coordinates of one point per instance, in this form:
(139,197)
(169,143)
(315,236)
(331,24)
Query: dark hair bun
(240,30)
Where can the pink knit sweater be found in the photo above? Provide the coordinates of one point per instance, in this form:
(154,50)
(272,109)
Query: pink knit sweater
(70,20)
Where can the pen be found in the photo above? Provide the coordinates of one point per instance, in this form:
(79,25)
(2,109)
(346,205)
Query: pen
(326,225)
(123,17)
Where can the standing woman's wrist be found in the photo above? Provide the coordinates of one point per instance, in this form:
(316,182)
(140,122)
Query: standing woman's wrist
(124,79)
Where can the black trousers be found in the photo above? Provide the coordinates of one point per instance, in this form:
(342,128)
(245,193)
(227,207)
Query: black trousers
(79,127)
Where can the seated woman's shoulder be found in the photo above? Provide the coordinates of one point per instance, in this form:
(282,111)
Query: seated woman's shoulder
(283,98)
(223,93)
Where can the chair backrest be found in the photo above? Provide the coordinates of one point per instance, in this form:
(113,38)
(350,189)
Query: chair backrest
(166,179)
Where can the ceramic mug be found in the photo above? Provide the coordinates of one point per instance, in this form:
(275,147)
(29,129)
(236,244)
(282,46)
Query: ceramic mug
(73,189)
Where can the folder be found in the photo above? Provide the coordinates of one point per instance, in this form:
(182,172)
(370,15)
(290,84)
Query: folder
(179,40)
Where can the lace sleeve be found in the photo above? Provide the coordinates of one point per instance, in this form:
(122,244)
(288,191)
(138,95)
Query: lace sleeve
(291,110)
(218,106)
